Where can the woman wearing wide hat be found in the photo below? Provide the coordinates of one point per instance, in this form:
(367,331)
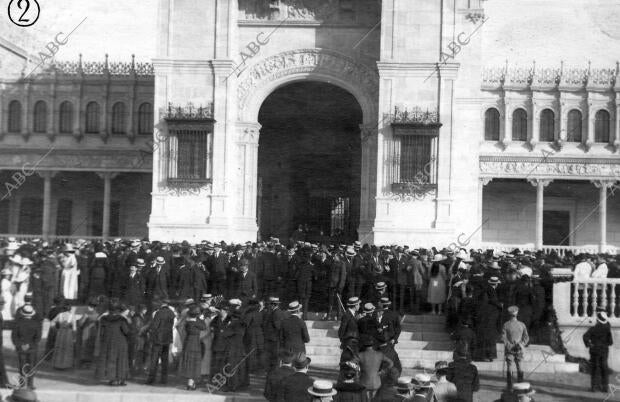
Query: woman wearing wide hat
(113,360)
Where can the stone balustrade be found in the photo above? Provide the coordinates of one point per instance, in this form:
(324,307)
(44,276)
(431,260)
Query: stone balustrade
(576,302)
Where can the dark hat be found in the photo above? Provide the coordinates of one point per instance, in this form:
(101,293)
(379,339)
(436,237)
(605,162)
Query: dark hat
(301,361)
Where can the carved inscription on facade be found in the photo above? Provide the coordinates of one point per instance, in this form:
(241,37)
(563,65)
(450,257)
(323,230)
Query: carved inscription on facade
(307,60)
(320,11)
(548,169)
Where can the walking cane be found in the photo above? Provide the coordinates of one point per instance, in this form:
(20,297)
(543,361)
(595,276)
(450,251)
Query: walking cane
(340,303)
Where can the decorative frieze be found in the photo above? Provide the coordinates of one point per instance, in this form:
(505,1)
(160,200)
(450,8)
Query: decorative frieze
(547,78)
(188,112)
(415,116)
(575,169)
(83,160)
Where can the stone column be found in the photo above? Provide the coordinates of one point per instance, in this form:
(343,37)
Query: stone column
(540,185)
(247,180)
(505,140)
(535,138)
(107,195)
(590,131)
(47,176)
(602,185)
(368,133)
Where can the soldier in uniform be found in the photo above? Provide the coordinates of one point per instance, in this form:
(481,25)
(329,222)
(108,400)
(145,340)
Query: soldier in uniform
(598,339)
(515,337)
(272,322)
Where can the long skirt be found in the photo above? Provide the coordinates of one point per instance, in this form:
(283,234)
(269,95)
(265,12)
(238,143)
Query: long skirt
(63,348)
(190,364)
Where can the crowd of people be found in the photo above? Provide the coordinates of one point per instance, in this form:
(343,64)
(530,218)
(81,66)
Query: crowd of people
(218,312)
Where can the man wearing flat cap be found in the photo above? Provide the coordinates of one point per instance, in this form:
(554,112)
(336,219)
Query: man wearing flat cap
(515,338)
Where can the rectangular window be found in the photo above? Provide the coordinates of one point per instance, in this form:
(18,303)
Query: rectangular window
(63,217)
(191,153)
(4,216)
(31,216)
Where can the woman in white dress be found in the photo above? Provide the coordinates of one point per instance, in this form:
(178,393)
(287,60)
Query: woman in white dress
(437,285)
(6,291)
(70,273)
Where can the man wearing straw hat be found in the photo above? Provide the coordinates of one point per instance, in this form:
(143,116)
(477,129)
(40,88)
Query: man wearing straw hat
(294,332)
(272,322)
(598,339)
(322,391)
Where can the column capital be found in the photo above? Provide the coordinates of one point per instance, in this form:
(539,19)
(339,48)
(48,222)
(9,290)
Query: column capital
(107,175)
(485,180)
(47,174)
(248,132)
(603,183)
(539,182)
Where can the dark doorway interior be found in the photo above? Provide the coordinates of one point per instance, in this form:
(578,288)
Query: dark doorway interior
(556,228)
(309,162)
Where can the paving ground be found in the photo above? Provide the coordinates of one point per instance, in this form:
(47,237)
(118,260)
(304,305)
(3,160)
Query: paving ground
(79,386)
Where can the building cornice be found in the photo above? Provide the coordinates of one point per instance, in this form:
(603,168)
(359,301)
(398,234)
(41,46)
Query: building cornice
(448,70)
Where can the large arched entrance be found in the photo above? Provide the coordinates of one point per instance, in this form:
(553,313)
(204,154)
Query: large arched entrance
(309,162)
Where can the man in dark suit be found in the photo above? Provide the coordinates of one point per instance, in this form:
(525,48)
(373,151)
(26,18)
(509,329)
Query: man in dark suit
(294,333)
(156,281)
(276,376)
(218,265)
(160,333)
(26,336)
(390,317)
(135,285)
(247,287)
(272,322)
(348,331)
(268,267)
(305,272)
(294,388)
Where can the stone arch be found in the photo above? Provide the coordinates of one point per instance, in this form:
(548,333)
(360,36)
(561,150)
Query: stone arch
(260,80)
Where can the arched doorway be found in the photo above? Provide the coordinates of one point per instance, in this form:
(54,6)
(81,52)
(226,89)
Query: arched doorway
(309,162)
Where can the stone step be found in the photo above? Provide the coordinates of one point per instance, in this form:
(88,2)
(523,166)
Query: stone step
(408,327)
(411,336)
(436,355)
(495,366)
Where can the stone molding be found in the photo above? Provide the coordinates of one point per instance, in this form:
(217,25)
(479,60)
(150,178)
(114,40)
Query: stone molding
(138,161)
(248,133)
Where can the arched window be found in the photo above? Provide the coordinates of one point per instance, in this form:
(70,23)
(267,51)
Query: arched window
(547,125)
(65,123)
(118,118)
(573,126)
(145,118)
(40,117)
(491,125)
(601,126)
(92,118)
(519,125)
(15,117)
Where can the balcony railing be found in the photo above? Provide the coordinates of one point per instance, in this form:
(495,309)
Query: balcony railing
(576,302)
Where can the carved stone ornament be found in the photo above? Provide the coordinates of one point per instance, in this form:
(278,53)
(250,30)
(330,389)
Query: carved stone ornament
(186,188)
(248,133)
(548,169)
(317,61)
(411,191)
(95,160)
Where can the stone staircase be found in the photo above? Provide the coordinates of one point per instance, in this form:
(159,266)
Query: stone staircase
(424,341)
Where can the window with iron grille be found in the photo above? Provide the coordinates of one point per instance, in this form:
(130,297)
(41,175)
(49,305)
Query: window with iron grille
(119,118)
(491,125)
(65,123)
(92,118)
(191,153)
(519,125)
(547,125)
(15,117)
(601,126)
(145,119)
(412,156)
(573,126)
(40,117)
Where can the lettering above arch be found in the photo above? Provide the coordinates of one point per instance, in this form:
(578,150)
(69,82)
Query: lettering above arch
(257,81)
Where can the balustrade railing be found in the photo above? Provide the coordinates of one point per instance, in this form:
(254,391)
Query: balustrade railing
(577,301)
